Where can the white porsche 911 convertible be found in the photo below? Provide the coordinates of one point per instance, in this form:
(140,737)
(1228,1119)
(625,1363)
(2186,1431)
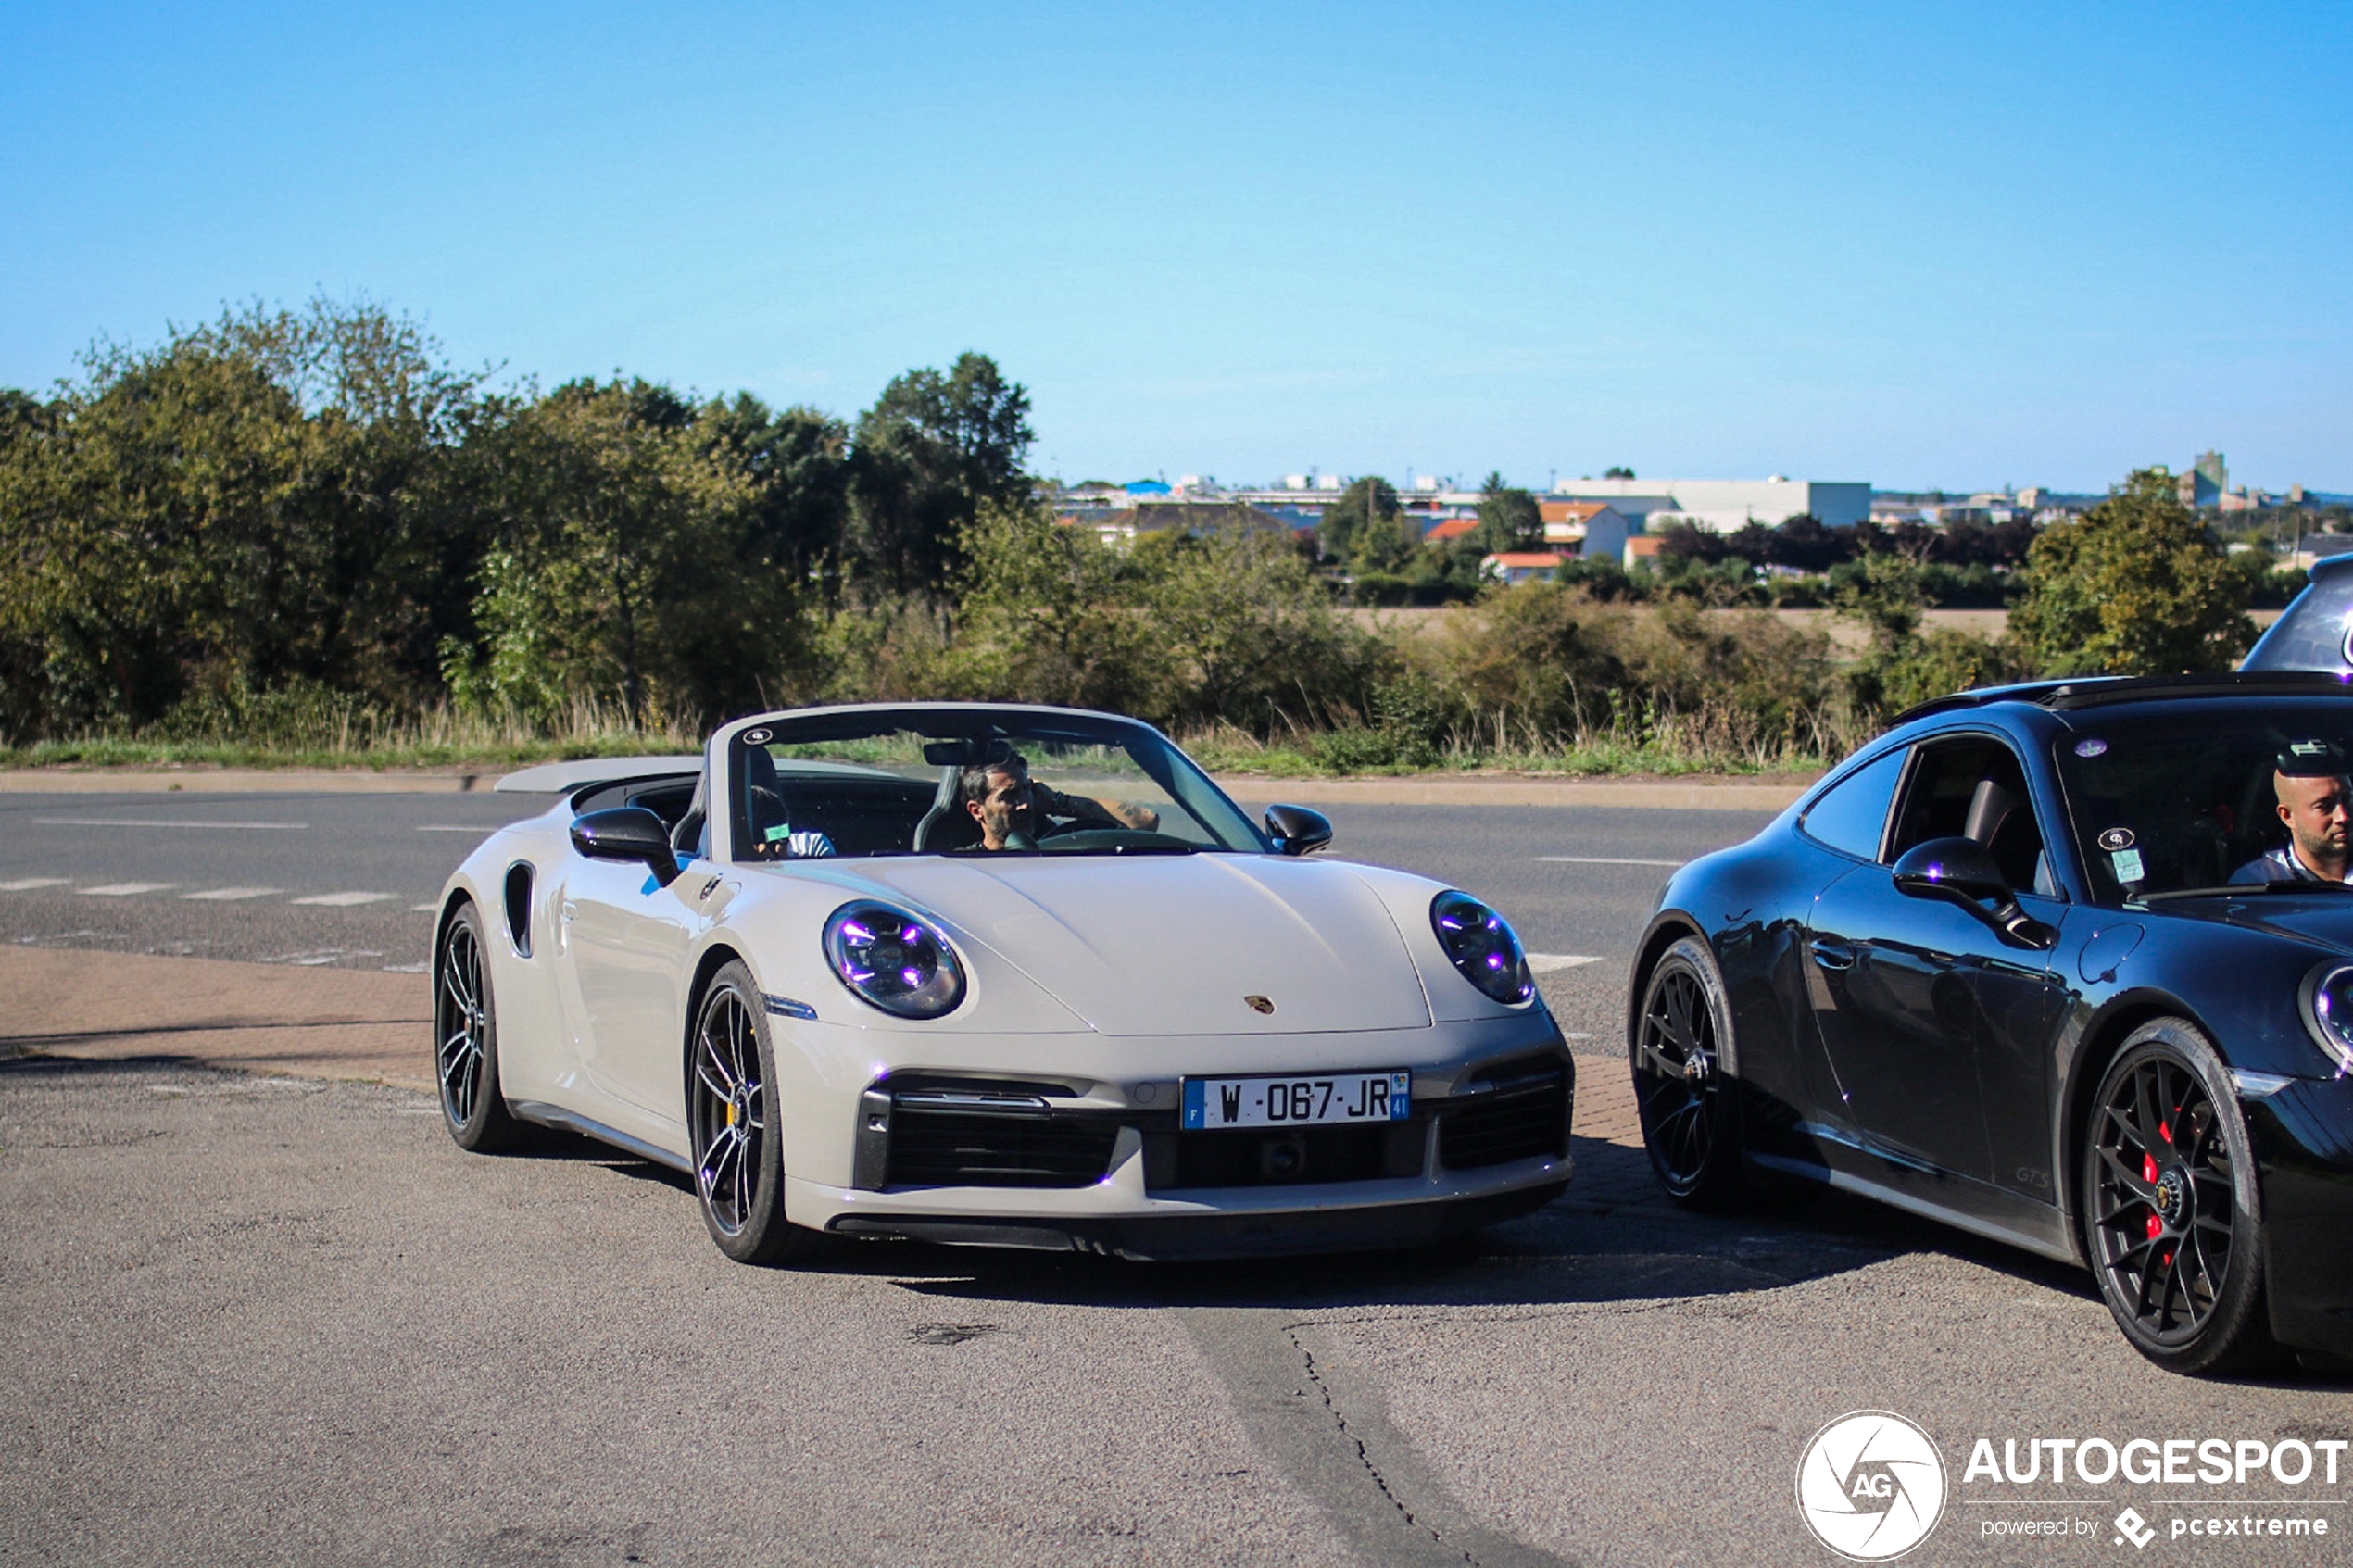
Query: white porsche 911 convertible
(983,973)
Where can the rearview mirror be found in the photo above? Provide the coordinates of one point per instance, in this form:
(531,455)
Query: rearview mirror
(1963,872)
(1296,830)
(627,833)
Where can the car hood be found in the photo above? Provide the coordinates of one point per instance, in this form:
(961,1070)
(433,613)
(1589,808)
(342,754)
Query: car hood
(2323,918)
(1173,944)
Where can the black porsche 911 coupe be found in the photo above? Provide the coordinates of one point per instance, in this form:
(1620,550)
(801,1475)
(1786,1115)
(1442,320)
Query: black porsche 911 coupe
(2042,963)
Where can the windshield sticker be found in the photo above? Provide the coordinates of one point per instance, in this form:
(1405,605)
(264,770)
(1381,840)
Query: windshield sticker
(2091,746)
(2116,838)
(2128,865)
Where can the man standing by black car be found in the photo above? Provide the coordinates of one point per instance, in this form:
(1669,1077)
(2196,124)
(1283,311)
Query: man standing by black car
(2316,802)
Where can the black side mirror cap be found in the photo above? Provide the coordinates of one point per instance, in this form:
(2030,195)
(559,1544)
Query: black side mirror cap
(1963,872)
(1955,870)
(1296,830)
(627,833)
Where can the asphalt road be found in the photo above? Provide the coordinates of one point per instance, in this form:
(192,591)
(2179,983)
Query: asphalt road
(349,881)
(262,1320)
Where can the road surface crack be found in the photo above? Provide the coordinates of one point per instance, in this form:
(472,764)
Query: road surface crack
(1363,1454)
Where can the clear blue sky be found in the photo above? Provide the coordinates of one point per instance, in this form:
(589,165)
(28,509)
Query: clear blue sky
(1921,245)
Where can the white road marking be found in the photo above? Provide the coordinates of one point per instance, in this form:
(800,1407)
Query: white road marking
(326,956)
(1545,963)
(455,827)
(342,900)
(125,889)
(407,969)
(27,883)
(161,822)
(1604,860)
(422,908)
(230,895)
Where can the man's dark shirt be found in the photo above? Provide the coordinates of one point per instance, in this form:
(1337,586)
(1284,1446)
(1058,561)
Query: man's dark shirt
(2279,865)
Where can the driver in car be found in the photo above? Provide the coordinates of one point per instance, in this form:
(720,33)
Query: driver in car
(2316,803)
(1013,811)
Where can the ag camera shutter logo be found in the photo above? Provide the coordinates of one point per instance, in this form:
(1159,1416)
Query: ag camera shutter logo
(1870,1486)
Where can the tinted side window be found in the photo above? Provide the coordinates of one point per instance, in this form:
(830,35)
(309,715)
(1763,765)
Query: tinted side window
(1851,817)
(1973,787)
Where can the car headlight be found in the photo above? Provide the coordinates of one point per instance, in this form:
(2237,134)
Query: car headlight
(2328,1013)
(1482,947)
(893,960)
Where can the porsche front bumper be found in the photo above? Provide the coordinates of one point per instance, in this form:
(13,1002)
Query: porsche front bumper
(968,1151)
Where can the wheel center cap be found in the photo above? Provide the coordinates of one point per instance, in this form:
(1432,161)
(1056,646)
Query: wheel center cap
(1695,1067)
(2173,1197)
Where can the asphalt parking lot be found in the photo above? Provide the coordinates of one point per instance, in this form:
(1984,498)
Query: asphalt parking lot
(270,1319)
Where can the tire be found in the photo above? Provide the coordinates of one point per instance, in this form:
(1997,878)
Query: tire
(2172,1214)
(1690,1113)
(732,1120)
(465,1032)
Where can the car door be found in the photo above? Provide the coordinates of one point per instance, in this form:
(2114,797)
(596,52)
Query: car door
(1930,1018)
(625,941)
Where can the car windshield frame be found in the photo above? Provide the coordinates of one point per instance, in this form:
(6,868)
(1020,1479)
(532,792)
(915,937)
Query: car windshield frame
(929,736)
(2138,796)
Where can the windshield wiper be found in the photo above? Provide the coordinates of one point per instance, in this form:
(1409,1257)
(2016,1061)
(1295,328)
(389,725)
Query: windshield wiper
(2242,890)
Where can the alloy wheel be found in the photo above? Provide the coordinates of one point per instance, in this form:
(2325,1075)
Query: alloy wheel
(2164,1204)
(729,1111)
(1676,1081)
(461,1024)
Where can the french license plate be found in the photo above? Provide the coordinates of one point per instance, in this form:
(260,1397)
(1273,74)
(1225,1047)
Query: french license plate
(1342,1097)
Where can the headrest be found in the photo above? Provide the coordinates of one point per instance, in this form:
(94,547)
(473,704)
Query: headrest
(2310,759)
(759,769)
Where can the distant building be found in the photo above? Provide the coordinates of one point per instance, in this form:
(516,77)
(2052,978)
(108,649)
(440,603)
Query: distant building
(1641,551)
(1722,506)
(1120,527)
(1453,528)
(1594,530)
(1510,567)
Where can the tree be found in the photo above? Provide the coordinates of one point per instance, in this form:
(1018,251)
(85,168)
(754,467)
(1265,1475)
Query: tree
(797,463)
(628,567)
(1617,473)
(928,455)
(2135,586)
(1509,519)
(1363,503)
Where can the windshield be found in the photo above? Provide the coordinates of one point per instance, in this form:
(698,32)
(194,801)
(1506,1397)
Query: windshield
(2164,801)
(973,781)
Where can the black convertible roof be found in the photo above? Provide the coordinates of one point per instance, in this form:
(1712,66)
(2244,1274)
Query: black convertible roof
(2102,691)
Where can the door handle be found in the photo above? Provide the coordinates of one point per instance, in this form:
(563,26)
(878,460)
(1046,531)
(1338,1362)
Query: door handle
(1832,954)
(571,909)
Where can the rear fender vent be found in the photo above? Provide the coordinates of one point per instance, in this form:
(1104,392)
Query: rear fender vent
(518,902)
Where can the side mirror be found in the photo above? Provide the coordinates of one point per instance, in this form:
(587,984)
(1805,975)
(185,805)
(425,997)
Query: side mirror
(1962,872)
(1296,830)
(627,833)
(1958,870)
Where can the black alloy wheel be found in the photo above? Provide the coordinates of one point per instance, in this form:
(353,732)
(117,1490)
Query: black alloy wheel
(465,1031)
(1681,1089)
(2172,1217)
(731,1117)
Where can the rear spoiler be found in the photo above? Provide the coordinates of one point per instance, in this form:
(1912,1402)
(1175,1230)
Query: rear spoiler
(556,778)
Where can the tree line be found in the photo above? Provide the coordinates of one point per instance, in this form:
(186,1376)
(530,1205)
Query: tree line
(314,497)
(313,507)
